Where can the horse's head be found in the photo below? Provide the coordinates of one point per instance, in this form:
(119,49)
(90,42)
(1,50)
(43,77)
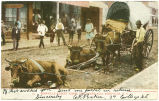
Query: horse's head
(99,43)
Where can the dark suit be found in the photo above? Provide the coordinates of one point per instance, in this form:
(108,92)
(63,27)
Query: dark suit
(15,37)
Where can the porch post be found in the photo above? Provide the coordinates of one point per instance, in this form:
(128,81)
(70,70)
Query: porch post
(29,19)
(17,14)
(57,11)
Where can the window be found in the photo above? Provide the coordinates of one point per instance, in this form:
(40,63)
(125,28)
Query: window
(10,16)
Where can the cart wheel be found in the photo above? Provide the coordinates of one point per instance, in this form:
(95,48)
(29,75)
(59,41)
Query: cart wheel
(148,42)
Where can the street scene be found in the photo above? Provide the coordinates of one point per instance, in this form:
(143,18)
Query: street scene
(77,45)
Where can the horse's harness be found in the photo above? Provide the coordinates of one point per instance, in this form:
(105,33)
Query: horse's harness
(111,40)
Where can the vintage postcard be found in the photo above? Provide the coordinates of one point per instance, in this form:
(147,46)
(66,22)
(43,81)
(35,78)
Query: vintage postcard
(79,50)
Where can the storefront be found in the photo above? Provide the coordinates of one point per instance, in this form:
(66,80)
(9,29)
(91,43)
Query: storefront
(25,11)
(11,12)
(97,12)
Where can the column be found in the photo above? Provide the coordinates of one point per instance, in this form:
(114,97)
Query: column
(57,11)
(29,19)
(17,14)
(100,19)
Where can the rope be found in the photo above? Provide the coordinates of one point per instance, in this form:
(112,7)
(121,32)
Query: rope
(78,65)
(63,75)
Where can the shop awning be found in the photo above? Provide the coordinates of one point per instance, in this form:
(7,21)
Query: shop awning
(77,3)
(13,5)
(97,4)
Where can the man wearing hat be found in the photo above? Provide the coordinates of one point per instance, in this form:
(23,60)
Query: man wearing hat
(52,31)
(59,29)
(89,31)
(42,29)
(3,33)
(138,46)
(15,36)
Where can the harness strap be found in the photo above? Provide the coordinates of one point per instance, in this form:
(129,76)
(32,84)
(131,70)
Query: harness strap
(38,65)
(111,40)
(114,34)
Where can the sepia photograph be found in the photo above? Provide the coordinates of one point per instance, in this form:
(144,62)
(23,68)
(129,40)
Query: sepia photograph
(92,47)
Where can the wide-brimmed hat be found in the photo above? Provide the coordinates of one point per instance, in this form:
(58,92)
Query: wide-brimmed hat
(88,19)
(138,22)
(43,21)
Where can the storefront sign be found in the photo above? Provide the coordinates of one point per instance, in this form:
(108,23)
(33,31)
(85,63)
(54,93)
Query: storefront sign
(13,5)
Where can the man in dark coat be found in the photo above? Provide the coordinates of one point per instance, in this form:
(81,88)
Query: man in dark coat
(3,33)
(52,30)
(15,36)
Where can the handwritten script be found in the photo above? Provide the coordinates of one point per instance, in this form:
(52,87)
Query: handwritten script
(76,94)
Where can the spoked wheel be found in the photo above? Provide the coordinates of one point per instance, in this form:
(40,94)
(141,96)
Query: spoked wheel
(148,42)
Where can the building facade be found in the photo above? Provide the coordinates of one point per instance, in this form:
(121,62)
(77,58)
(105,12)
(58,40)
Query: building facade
(25,12)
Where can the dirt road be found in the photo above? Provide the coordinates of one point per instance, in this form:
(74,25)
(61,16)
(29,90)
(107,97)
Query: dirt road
(120,72)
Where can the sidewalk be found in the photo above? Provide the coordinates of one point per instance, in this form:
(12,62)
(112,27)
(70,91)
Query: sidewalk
(146,79)
(24,43)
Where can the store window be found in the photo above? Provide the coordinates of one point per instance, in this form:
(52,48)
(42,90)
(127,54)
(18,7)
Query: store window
(23,18)
(10,16)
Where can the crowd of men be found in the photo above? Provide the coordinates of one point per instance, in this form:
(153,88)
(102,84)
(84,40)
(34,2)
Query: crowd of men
(62,26)
(58,28)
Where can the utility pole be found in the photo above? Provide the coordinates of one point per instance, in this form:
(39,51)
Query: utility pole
(57,11)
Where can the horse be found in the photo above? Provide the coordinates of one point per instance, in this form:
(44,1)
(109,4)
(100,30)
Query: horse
(106,45)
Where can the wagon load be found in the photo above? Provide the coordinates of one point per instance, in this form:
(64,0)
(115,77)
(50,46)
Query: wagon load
(116,25)
(125,14)
(118,16)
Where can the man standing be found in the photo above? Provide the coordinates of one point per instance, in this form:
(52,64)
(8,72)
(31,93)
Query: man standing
(138,46)
(15,36)
(79,29)
(66,22)
(42,29)
(59,30)
(52,31)
(89,31)
(72,31)
(3,33)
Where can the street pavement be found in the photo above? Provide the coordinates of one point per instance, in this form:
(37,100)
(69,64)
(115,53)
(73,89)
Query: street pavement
(146,79)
